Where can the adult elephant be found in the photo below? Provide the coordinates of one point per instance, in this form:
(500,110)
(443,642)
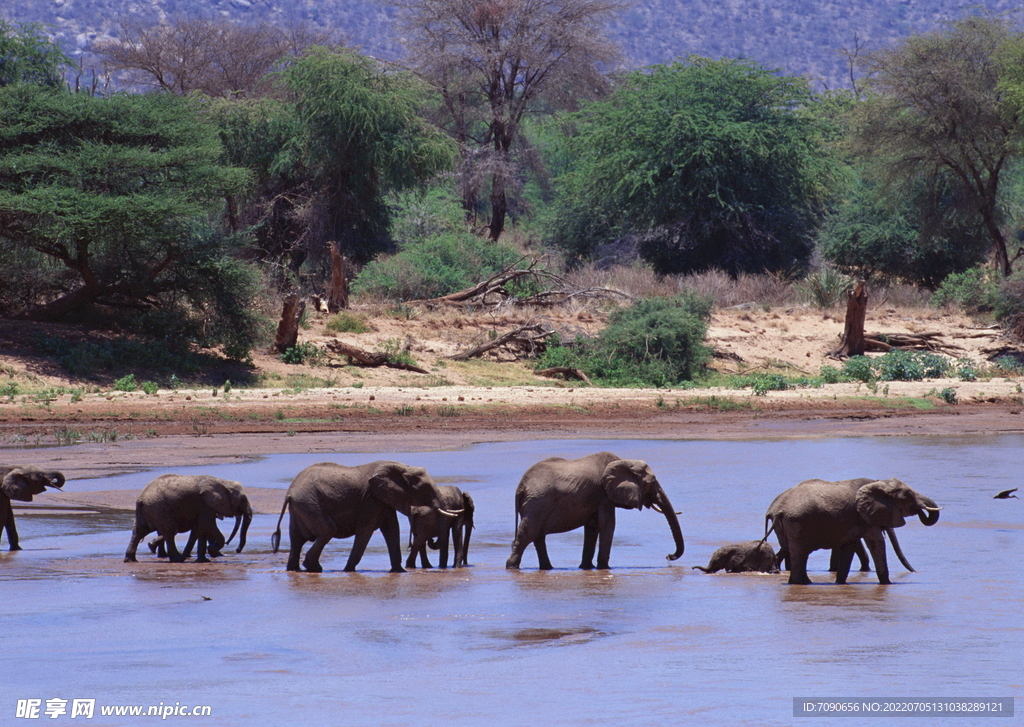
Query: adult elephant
(557,495)
(430,527)
(821,514)
(329,500)
(173,504)
(22,482)
(216,542)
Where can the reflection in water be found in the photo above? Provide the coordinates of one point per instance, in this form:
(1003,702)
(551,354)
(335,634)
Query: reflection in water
(648,642)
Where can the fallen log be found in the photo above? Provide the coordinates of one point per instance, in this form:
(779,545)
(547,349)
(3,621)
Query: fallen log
(370,358)
(564,371)
(531,337)
(930,341)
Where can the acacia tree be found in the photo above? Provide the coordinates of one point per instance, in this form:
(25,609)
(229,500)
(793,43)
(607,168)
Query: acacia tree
(704,164)
(342,136)
(937,104)
(106,205)
(211,55)
(28,56)
(492,61)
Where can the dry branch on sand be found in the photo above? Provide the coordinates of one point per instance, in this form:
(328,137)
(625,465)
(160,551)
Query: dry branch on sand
(494,293)
(564,372)
(370,358)
(530,339)
(931,341)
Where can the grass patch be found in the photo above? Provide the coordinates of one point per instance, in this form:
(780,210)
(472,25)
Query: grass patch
(345,322)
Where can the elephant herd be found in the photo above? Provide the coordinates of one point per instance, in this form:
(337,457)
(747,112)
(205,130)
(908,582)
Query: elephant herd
(556,495)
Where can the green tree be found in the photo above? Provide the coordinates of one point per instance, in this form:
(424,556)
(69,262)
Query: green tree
(107,203)
(919,231)
(28,56)
(938,105)
(704,163)
(324,157)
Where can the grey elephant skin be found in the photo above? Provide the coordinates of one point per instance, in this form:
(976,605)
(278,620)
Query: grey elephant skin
(748,557)
(216,542)
(173,504)
(558,495)
(821,514)
(329,500)
(21,483)
(428,526)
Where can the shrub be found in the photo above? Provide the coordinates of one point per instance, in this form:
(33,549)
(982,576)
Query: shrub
(859,368)
(438,265)
(150,387)
(348,323)
(654,342)
(973,290)
(303,353)
(826,287)
(126,383)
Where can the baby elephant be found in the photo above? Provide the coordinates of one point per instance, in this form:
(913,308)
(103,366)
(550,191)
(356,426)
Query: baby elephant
(430,527)
(21,482)
(751,556)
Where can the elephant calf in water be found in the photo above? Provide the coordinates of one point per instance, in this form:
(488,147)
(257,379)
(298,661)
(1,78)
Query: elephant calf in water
(431,527)
(751,556)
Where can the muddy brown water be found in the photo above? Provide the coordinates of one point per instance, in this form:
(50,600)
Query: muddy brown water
(647,642)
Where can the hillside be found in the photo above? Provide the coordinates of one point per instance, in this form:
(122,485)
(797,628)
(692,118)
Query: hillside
(800,37)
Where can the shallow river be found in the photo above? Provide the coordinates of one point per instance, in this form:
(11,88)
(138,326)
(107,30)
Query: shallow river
(645,643)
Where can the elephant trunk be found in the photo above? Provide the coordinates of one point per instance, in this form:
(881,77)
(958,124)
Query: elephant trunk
(928,512)
(899,551)
(673,522)
(246,520)
(56,479)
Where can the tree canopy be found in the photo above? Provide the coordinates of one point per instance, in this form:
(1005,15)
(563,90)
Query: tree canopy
(938,103)
(345,134)
(106,203)
(28,56)
(704,163)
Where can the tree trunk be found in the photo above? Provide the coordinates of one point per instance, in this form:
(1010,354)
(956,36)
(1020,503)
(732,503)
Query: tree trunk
(338,299)
(288,327)
(499,205)
(853,336)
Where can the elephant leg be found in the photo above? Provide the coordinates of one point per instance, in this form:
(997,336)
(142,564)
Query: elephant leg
(442,547)
(312,560)
(172,550)
(458,557)
(139,531)
(296,541)
(190,543)
(877,548)
(844,560)
(392,537)
(519,544)
(606,531)
(590,532)
(201,552)
(862,555)
(798,567)
(12,531)
(541,546)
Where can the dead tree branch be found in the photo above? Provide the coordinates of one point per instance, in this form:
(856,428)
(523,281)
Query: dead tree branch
(530,337)
(564,372)
(370,358)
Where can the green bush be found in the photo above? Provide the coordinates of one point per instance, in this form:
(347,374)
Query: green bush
(654,342)
(91,358)
(859,368)
(973,290)
(438,265)
(126,383)
(303,353)
(150,387)
(826,287)
(348,323)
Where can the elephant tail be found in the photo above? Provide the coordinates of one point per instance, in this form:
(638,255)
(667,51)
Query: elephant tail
(275,539)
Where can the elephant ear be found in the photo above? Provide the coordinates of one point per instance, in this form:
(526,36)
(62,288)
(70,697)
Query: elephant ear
(391,484)
(876,504)
(216,496)
(621,482)
(16,486)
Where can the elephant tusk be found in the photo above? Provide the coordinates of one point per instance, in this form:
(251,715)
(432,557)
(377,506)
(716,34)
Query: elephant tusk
(450,513)
(933,509)
(655,507)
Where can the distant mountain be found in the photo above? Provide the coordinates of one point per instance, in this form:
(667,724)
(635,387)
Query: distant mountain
(799,37)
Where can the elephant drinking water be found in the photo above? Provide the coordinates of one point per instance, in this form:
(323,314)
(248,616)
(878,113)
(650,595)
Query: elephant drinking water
(21,483)
(557,495)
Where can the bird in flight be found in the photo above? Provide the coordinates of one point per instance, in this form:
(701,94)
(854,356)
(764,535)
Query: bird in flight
(1006,495)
